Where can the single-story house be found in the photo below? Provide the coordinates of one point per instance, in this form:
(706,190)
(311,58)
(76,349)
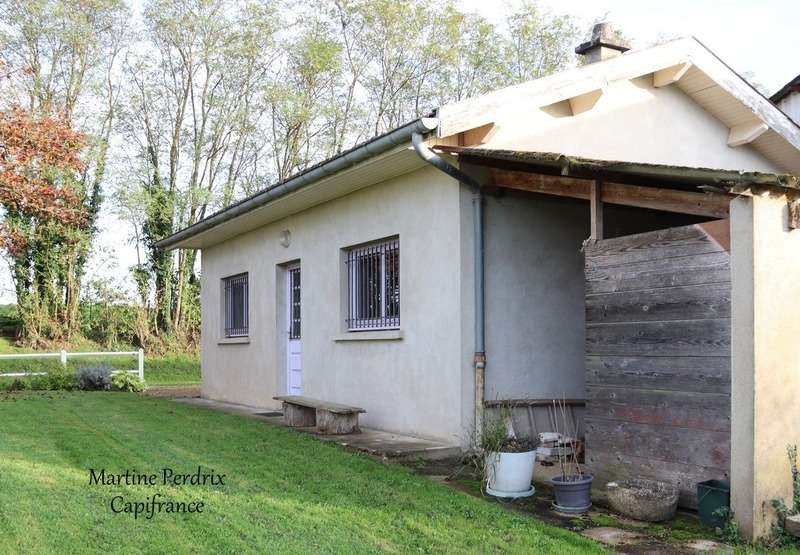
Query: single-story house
(619,235)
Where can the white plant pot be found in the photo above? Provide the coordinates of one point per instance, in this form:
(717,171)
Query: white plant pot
(510,474)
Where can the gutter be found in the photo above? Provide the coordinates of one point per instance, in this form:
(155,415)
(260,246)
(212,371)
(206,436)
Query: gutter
(347,159)
(479,358)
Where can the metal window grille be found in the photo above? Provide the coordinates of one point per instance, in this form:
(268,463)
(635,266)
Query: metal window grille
(373,275)
(294,308)
(236,306)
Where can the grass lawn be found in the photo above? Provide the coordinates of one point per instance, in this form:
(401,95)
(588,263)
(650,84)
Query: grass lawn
(173,369)
(170,369)
(284,492)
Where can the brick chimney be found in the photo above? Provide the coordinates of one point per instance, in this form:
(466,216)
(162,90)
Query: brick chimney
(603,45)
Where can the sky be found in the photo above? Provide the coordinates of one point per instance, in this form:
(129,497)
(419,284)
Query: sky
(756,38)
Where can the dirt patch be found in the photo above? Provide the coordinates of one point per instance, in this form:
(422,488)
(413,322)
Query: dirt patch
(173,391)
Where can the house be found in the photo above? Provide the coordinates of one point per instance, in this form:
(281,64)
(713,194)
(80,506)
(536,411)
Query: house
(619,235)
(788,98)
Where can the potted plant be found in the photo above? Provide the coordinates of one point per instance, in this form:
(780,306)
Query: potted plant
(509,460)
(573,486)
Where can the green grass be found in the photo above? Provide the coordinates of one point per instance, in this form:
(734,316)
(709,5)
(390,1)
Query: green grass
(175,369)
(170,369)
(284,492)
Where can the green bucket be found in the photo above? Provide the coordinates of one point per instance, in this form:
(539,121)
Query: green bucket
(712,495)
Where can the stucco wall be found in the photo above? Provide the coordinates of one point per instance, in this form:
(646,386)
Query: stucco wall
(534,296)
(765,372)
(632,121)
(412,385)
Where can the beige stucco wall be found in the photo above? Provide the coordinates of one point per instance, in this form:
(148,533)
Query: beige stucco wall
(412,385)
(632,121)
(765,373)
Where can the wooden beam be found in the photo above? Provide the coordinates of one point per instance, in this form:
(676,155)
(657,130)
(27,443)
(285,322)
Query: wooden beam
(584,102)
(746,133)
(533,402)
(669,75)
(712,205)
(596,210)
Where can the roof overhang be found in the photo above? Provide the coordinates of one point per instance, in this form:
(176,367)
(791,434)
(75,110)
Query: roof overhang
(376,160)
(684,63)
(660,175)
(705,192)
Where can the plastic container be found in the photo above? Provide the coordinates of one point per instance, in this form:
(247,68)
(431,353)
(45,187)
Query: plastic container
(573,495)
(510,474)
(713,495)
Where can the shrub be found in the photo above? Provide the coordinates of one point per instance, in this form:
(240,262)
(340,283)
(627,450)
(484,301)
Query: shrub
(125,381)
(17,384)
(59,380)
(94,378)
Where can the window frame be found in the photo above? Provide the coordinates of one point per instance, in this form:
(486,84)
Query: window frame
(358,300)
(228,283)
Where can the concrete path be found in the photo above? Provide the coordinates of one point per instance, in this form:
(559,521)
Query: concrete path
(373,442)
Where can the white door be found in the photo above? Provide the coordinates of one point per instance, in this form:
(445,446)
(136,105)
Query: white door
(294,365)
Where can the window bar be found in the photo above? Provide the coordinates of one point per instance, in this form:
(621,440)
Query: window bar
(382,287)
(246,304)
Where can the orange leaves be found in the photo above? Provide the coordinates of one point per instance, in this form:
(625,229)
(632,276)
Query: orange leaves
(39,166)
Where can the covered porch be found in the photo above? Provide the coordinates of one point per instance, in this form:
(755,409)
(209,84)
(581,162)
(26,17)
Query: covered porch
(645,297)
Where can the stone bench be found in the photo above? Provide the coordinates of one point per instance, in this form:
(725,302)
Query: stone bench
(329,418)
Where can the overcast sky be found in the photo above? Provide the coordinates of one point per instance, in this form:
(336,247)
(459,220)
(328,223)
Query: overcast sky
(755,37)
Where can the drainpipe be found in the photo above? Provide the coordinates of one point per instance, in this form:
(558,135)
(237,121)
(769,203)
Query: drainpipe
(479,359)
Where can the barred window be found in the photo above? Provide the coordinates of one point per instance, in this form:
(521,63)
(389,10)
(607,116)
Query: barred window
(373,277)
(236,305)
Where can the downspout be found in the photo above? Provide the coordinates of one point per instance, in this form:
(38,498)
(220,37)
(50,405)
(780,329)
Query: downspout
(479,358)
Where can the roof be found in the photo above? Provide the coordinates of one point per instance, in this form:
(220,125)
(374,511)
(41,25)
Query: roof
(683,63)
(786,90)
(664,175)
(301,190)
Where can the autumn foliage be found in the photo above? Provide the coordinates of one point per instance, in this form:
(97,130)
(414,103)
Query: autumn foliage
(39,162)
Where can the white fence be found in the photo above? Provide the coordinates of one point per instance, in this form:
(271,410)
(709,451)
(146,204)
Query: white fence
(63,356)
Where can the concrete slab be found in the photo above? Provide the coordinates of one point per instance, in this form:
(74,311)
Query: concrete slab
(613,536)
(704,546)
(373,442)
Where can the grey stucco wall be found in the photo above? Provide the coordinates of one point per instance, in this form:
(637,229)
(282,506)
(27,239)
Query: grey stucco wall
(534,296)
(412,385)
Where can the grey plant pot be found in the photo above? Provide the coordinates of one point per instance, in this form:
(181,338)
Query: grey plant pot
(573,495)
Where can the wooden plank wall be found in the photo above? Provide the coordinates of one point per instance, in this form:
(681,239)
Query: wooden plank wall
(658,356)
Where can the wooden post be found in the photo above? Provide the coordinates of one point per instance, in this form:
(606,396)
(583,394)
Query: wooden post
(596,210)
(141,364)
(63,358)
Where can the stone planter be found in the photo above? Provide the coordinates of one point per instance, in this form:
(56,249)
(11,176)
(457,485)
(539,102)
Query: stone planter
(647,500)
(573,494)
(510,474)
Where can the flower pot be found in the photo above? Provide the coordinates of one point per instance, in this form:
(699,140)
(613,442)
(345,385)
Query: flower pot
(647,500)
(510,474)
(573,494)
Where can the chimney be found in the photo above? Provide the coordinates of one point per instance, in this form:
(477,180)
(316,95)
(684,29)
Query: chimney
(603,45)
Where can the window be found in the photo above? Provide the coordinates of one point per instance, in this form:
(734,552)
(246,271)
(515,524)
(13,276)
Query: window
(373,277)
(235,305)
(294,303)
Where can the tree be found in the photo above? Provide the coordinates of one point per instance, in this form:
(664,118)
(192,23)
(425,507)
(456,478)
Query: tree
(40,191)
(61,57)
(540,43)
(194,114)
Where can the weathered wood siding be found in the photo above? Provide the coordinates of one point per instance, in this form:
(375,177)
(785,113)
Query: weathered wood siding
(658,356)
